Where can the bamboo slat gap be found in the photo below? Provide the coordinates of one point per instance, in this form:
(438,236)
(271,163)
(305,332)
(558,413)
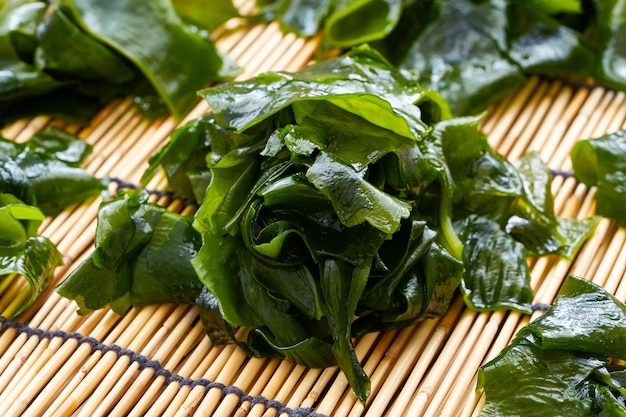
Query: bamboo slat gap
(245,380)
(124,146)
(496,110)
(582,126)
(560,151)
(133,164)
(469,369)
(253,385)
(526,120)
(609,115)
(468,356)
(13,129)
(115,393)
(142,327)
(140,387)
(74,370)
(617,271)
(181,341)
(59,373)
(100,117)
(376,344)
(603,269)
(52,225)
(33,126)
(28,355)
(598,113)
(404,354)
(65,319)
(68,386)
(250,35)
(558,123)
(261,387)
(557,118)
(227,364)
(619,120)
(453,319)
(50,312)
(118,137)
(78,218)
(124,377)
(54,354)
(620,292)
(595,255)
(110,123)
(173,398)
(227,36)
(246,6)
(537,113)
(302,51)
(129,161)
(164,337)
(506,333)
(8,338)
(286,373)
(134,340)
(304,379)
(379,375)
(15,398)
(297,54)
(324,378)
(340,384)
(206,407)
(441,365)
(92,388)
(143,403)
(17,343)
(506,112)
(257,62)
(227,357)
(197,365)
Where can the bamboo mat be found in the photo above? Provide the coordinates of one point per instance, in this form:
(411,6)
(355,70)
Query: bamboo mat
(156,360)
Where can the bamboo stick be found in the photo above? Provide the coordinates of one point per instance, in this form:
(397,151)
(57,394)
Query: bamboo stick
(526,120)
(419,334)
(157,349)
(389,353)
(449,323)
(282,376)
(362,348)
(505,113)
(580,127)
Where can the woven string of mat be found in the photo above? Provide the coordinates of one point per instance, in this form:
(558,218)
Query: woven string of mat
(49,365)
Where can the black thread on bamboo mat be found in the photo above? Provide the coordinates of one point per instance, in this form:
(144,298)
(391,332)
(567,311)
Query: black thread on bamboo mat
(159,370)
(559,173)
(540,307)
(121,184)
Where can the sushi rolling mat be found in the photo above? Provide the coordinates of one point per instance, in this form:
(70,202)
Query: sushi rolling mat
(157,360)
